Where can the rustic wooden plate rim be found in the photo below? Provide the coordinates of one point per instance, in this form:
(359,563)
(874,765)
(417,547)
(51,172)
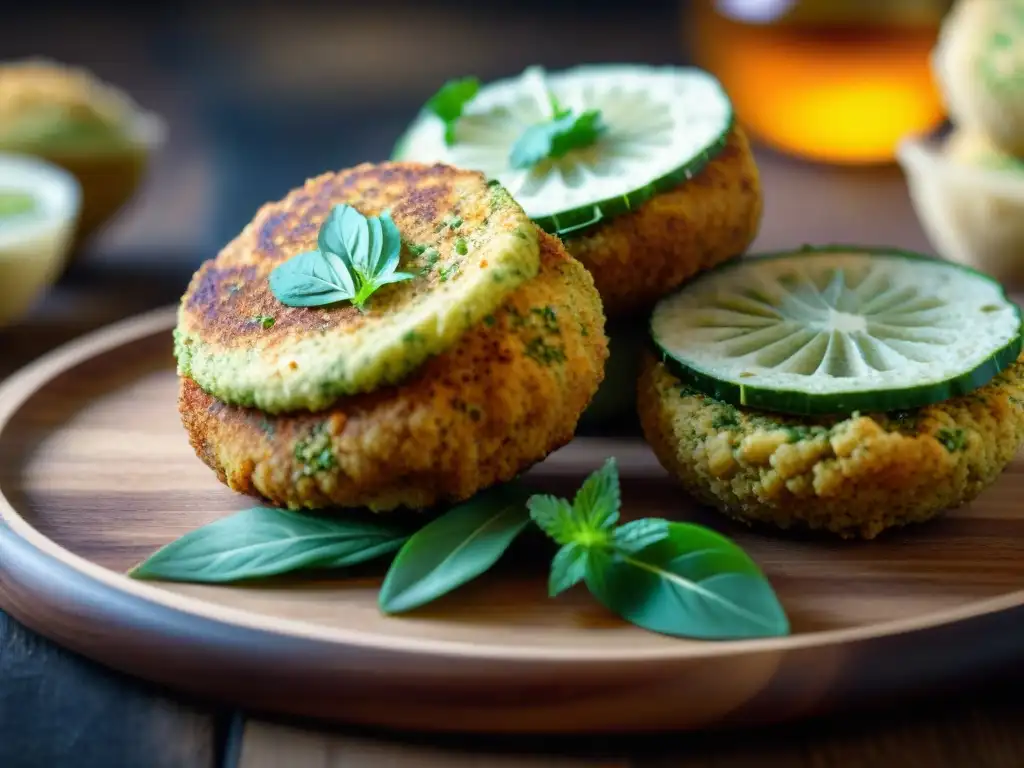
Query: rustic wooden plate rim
(20,387)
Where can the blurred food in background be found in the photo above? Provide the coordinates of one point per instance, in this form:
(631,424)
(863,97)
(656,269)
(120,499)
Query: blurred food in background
(979,67)
(971,148)
(967,188)
(70,118)
(838,81)
(39,209)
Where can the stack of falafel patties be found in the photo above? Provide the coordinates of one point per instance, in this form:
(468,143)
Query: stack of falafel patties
(442,385)
(642,256)
(666,187)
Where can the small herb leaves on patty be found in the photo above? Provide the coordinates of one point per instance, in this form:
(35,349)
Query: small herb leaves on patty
(356,256)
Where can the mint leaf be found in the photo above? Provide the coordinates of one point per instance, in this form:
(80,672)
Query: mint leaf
(265,541)
(588,520)
(553,516)
(598,500)
(568,568)
(449,102)
(673,578)
(556,137)
(689,582)
(356,255)
(454,548)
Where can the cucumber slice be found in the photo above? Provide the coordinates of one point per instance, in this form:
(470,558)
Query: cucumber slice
(662,125)
(838,329)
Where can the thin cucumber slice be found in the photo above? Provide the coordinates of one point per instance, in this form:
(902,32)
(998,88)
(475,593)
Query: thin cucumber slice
(838,329)
(662,125)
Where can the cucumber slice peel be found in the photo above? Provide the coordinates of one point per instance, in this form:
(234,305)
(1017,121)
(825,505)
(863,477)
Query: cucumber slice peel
(838,329)
(662,126)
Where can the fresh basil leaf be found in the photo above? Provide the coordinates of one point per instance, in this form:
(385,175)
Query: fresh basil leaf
(391,245)
(556,138)
(533,146)
(579,132)
(394,277)
(341,232)
(449,102)
(692,582)
(356,256)
(454,548)
(265,541)
(310,279)
(598,500)
(568,568)
(374,245)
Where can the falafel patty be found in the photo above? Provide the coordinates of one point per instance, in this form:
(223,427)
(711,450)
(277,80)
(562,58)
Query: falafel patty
(638,257)
(468,243)
(854,476)
(509,393)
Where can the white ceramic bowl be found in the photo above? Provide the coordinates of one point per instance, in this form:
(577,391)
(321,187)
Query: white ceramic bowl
(971,215)
(33,248)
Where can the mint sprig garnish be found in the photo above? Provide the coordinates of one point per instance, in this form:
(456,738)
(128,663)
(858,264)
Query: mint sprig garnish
(449,102)
(561,133)
(355,256)
(673,578)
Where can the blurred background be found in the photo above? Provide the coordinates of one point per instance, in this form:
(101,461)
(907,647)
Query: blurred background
(258,96)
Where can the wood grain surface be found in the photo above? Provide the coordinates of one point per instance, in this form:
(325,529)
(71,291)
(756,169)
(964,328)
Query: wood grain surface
(97,471)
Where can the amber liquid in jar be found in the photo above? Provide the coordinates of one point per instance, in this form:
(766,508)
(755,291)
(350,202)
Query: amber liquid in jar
(828,81)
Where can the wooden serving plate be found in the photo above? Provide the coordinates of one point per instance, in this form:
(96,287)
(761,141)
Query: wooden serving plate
(96,472)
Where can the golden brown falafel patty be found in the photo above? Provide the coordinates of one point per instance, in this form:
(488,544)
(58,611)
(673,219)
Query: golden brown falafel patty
(640,256)
(239,342)
(855,476)
(510,392)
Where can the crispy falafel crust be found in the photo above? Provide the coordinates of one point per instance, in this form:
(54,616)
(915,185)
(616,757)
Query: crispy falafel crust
(854,476)
(509,393)
(303,358)
(640,256)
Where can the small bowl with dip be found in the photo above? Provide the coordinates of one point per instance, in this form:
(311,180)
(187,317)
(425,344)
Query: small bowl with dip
(92,129)
(40,204)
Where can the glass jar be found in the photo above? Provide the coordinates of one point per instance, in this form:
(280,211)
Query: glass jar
(840,81)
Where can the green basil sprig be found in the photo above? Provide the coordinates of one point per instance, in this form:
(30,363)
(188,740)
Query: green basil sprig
(355,256)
